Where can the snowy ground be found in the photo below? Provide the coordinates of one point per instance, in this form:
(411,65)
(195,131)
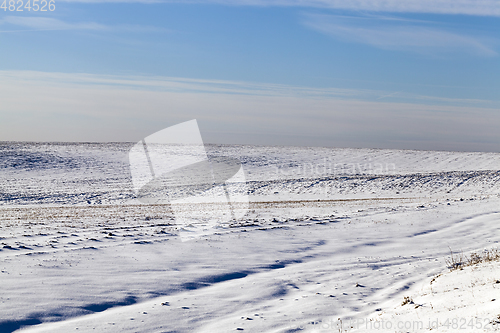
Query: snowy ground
(334,239)
(463,300)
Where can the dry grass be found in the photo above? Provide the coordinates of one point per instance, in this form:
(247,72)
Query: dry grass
(407,300)
(459,261)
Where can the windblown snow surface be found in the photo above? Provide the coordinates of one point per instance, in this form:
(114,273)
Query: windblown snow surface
(334,241)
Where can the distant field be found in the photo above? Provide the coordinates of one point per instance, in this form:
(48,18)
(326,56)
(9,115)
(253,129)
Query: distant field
(330,233)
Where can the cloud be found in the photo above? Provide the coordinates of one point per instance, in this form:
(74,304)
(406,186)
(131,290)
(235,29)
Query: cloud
(398,34)
(215,87)
(84,107)
(183,85)
(465,7)
(48,23)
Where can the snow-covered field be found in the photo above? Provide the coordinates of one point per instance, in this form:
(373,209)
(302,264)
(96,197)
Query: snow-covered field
(334,240)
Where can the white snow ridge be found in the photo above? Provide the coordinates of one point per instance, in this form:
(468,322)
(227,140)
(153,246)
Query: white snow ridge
(334,240)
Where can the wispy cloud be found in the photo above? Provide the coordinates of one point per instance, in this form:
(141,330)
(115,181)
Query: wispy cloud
(215,87)
(466,7)
(182,85)
(398,34)
(48,23)
(83,107)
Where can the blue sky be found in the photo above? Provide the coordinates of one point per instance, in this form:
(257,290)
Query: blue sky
(376,73)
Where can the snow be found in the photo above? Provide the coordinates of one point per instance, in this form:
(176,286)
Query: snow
(462,300)
(333,237)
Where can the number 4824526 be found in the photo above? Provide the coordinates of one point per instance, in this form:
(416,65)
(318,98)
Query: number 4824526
(30,5)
